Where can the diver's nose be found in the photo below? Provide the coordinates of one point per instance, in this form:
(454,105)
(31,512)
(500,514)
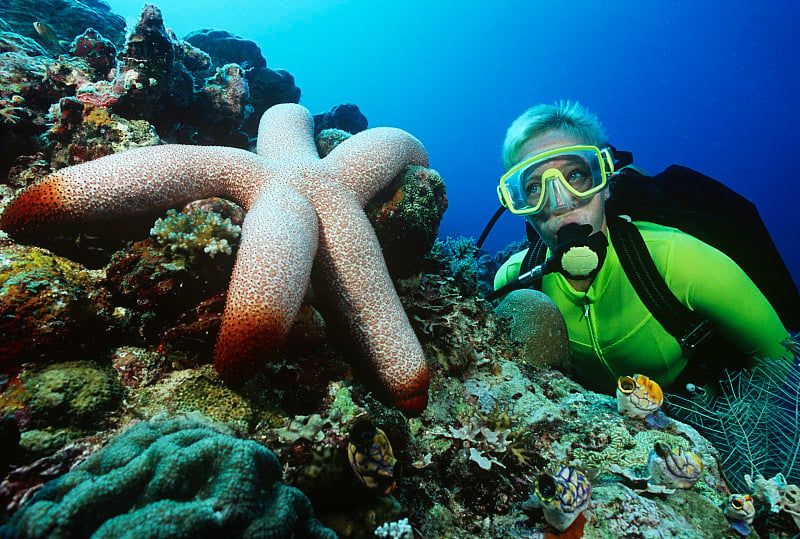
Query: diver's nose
(558,198)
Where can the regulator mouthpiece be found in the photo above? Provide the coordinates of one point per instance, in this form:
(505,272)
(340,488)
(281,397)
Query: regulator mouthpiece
(581,253)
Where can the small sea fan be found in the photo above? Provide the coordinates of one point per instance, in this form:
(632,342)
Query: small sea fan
(754,421)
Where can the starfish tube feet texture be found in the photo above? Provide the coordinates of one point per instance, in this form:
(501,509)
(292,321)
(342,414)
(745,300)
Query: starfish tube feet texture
(369,305)
(303,212)
(260,307)
(134,182)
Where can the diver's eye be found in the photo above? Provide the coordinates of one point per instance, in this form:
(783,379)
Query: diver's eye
(533,189)
(580,179)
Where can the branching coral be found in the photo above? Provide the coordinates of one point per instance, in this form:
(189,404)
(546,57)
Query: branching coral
(8,114)
(195,232)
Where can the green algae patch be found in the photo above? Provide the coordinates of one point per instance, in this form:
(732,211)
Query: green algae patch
(75,394)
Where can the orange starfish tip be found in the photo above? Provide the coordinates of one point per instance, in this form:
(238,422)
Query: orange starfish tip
(34,206)
(413,406)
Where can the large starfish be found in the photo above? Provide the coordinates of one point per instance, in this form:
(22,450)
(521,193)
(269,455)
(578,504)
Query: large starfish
(300,208)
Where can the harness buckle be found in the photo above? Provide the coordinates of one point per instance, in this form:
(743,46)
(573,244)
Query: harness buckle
(696,335)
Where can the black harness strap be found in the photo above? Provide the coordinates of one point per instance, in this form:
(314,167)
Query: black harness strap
(535,256)
(688,328)
(685,325)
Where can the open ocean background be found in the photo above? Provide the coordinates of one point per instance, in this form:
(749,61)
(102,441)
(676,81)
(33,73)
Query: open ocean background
(711,85)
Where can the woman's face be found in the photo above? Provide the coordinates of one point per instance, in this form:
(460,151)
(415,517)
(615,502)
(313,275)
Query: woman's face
(550,219)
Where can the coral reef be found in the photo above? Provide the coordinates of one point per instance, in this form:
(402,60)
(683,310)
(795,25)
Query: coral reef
(328,139)
(300,217)
(76,394)
(98,51)
(266,87)
(224,97)
(226,48)
(194,232)
(131,340)
(753,420)
(460,256)
(405,214)
(154,80)
(487,264)
(170,477)
(68,18)
(187,262)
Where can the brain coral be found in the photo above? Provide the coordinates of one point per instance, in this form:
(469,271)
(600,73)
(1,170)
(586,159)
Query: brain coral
(537,323)
(170,478)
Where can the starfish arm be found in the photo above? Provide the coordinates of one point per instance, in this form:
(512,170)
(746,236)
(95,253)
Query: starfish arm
(286,131)
(369,160)
(352,264)
(134,182)
(272,271)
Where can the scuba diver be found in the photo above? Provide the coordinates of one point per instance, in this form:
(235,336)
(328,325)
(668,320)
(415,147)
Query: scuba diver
(560,168)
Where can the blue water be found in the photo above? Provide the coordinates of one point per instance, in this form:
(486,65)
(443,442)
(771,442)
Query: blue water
(711,85)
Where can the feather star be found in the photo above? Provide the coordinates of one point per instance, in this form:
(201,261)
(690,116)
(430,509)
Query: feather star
(301,211)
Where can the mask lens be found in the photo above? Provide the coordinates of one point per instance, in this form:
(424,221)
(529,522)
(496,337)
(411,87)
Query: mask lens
(575,169)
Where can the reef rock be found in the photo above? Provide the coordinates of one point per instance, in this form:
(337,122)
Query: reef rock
(346,117)
(50,307)
(267,87)
(226,48)
(68,18)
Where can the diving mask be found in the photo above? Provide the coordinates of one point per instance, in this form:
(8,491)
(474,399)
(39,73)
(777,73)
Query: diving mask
(553,177)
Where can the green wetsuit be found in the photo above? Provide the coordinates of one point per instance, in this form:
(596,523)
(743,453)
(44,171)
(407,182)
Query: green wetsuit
(613,334)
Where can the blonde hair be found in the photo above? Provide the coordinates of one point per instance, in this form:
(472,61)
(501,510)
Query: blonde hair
(569,117)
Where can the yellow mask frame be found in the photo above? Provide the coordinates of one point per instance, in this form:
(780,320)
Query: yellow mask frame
(512,192)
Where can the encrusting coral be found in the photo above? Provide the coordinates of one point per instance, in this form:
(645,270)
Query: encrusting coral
(75,394)
(171,477)
(47,305)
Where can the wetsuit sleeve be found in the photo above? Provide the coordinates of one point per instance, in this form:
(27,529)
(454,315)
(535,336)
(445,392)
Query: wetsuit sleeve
(509,270)
(709,282)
